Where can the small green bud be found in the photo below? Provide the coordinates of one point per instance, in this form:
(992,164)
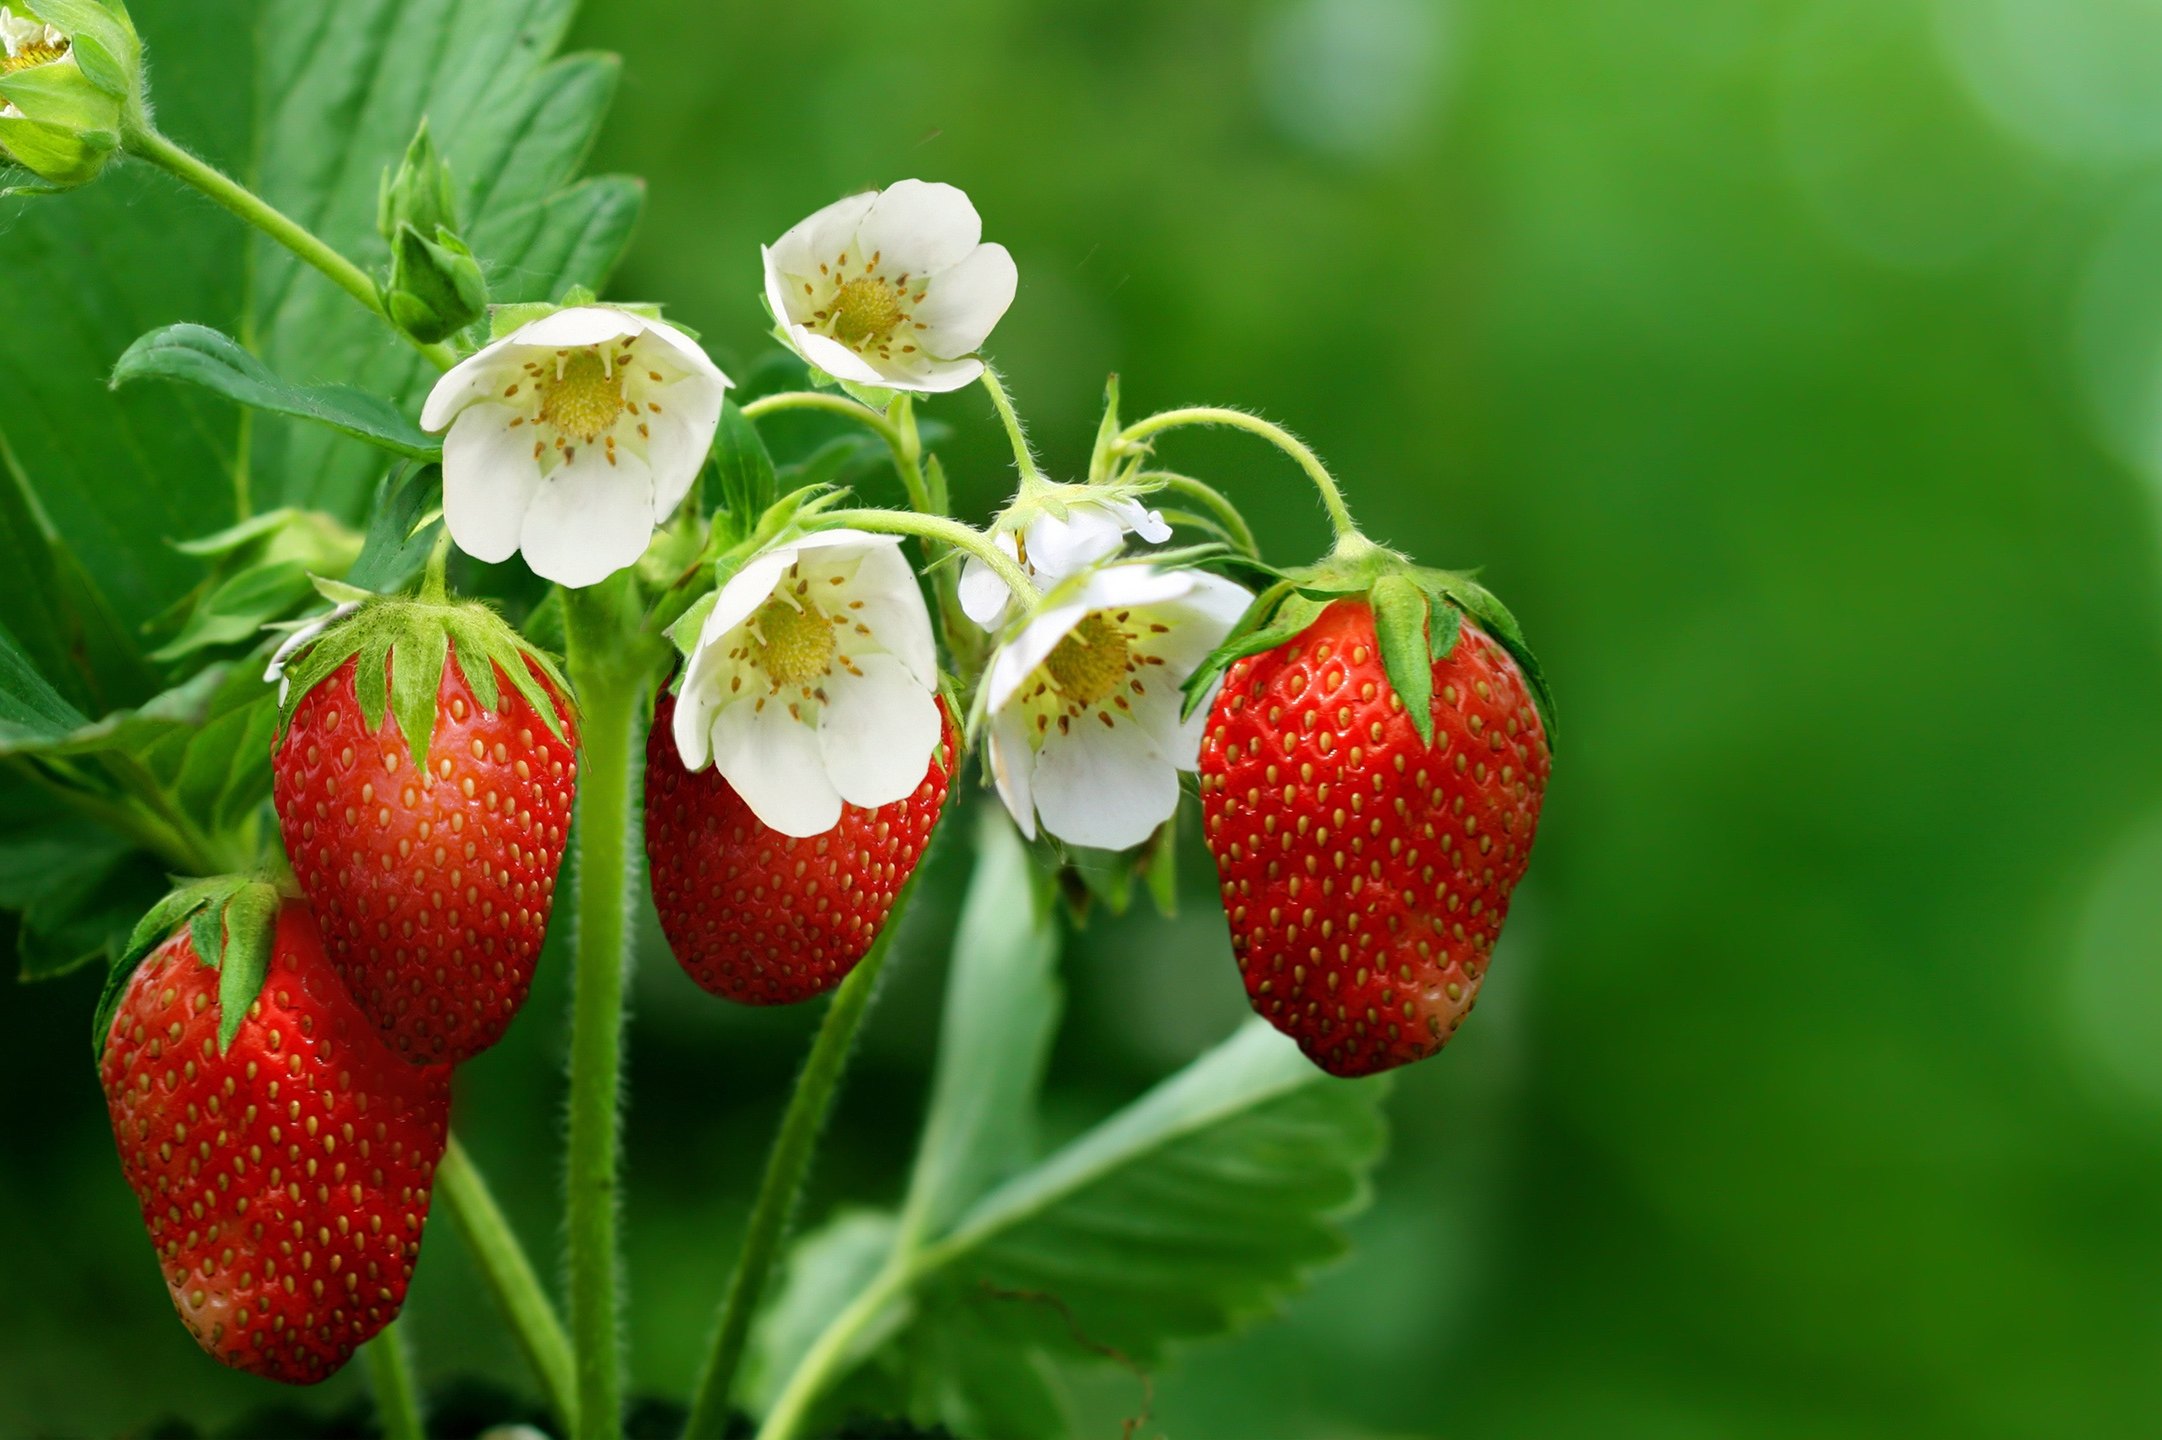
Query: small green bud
(436,288)
(418,193)
(70,77)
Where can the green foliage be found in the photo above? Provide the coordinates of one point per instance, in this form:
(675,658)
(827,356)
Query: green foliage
(1193,1210)
(198,355)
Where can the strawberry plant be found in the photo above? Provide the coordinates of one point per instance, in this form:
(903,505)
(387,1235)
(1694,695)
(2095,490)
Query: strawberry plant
(490,593)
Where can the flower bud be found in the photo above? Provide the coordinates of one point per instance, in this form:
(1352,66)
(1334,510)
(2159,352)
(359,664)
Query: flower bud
(436,288)
(70,77)
(418,194)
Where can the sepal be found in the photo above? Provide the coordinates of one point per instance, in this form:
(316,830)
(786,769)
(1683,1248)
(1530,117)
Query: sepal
(232,921)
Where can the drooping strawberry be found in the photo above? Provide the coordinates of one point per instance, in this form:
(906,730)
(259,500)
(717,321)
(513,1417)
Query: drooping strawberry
(423,780)
(282,1154)
(1371,778)
(763,918)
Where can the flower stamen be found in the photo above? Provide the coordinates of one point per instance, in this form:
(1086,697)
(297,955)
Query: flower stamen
(1090,663)
(584,398)
(794,644)
(865,311)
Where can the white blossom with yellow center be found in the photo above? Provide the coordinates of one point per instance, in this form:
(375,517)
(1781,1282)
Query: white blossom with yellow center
(571,438)
(892,288)
(815,681)
(26,42)
(1050,549)
(1084,701)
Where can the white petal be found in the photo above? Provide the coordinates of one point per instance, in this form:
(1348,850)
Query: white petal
(1104,788)
(821,236)
(696,702)
(1197,621)
(489,481)
(590,519)
(1121,587)
(1012,763)
(774,763)
(1018,658)
(877,731)
(484,372)
(1058,548)
(893,609)
(834,358)
(784,297)
(932,377)
(965,302)
(578,326)
(984,597)
(679,438)
(688,352)
(919,228)
(1141,520)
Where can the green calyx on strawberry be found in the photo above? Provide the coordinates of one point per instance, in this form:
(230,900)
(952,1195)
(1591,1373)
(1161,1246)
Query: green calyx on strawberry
(1419,612)
(282,1155)
(423,777)
(1372,772)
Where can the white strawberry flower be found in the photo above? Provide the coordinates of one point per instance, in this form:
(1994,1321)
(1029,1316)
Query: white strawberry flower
(1084,701)
(1051,548)
(815,681)
(891,288)
(571,438)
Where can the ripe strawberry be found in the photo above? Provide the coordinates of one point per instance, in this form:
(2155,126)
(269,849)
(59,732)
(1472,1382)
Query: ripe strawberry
(1366,872)
(284,1174)
(428,845)
(762,918)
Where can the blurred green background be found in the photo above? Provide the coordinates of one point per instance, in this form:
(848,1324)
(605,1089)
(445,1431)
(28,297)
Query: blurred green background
(1795,369)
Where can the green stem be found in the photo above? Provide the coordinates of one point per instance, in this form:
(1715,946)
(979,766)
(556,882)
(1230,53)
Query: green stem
(907,449)
(511,1278)
(610,678)
(952,532)
(1332,499)
(252,208)
(390,1372)
(1214,500)
(783,1182)
(833,404)
(1023,458)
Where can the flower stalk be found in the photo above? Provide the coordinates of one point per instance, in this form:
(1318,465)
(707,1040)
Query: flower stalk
(808,1105)
(511,1279)
(1332,498)
(390,1373)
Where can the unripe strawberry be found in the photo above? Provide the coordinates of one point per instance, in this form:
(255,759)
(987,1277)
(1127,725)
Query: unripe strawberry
(426,817)
(284,1168)
(763,918)
(1366,869)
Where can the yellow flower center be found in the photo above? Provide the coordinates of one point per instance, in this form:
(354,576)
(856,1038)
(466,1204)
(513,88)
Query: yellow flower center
(584,400)
(1091,662)
(32,55)
(865,309)
(793,646)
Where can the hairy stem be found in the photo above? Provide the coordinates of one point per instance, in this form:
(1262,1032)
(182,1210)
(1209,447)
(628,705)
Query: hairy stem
(783,1182)
(1024,459)
(237,198)
(390,1373)
(1332,499)
(951,532)
(511,1279)
(827,401)
(610,677)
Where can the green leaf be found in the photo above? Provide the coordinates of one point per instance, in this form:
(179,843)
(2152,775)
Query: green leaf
(1400,629)
(1196,1209)
(238,609)
(32,713)
(826,1268)
(77,890)
(1444,625)
(217,769)
(197,355)
(1002,1006)
(398,543)
(742,481)
(125,731)
(343,89)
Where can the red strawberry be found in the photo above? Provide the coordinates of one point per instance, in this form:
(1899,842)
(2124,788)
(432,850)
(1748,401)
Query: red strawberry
(285,1177)
(762,918)
(428,842)
(1366,873)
